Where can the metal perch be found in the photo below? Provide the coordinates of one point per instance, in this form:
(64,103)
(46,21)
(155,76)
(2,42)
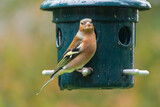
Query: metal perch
(135,72)
(85,71)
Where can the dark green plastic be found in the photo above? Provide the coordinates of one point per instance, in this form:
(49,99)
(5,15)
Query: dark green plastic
(115,29)
(139,4)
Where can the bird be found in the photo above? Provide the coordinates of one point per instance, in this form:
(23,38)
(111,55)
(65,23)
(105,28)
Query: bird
(79,52)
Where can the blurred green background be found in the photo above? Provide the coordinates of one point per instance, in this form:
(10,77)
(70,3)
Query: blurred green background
(27,38)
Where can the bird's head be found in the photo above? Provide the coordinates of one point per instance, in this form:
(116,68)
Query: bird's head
(86,25)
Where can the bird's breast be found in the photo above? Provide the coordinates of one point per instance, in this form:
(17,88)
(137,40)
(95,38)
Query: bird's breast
(89,45)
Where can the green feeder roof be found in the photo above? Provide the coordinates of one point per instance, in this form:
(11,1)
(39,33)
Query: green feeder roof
(52,4)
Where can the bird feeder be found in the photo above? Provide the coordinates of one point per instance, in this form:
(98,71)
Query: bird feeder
(115,28)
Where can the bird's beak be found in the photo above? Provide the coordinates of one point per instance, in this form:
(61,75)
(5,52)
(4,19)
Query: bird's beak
(88,25)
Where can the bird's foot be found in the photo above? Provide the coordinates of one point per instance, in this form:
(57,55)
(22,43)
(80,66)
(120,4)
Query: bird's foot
(85,71)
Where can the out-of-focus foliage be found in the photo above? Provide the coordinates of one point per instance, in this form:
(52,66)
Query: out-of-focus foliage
(27,38)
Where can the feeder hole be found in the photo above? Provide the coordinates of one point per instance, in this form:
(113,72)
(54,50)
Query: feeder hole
(59,37)
(124,35)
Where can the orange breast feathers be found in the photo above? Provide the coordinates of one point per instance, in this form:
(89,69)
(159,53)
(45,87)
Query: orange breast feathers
(89,43)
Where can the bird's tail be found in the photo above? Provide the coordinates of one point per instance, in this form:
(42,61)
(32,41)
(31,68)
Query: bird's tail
(51,78)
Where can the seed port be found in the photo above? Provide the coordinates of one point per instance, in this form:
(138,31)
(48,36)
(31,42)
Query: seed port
(124,36)
(59,37)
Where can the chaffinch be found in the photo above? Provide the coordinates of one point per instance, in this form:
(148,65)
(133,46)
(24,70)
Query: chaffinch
(80,51)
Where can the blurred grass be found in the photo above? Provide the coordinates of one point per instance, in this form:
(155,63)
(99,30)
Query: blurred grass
(27,39)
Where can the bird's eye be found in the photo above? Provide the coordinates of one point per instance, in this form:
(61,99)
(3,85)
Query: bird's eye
(81,23)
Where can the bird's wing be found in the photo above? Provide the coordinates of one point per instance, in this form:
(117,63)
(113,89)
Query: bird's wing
(70,54)
(67,57)
(74,42)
